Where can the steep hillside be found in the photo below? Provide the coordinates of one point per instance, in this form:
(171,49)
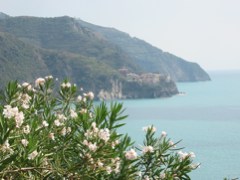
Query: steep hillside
(105,60)
(23,62)
(19,61)
(65,34)
(150,58)
(108,45)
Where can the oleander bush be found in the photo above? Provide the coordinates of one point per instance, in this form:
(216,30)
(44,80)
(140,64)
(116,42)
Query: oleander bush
(50,134)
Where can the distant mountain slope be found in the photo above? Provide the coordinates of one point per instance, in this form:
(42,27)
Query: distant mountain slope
(104,60)
(23,62)
(150,58)
(111,46)
(19,60)
(65,34)
(3,16)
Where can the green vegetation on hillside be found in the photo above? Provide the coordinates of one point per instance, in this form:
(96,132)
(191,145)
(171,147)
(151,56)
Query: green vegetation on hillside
(89,55)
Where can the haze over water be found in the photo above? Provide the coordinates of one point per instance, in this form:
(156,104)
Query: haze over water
(207,119)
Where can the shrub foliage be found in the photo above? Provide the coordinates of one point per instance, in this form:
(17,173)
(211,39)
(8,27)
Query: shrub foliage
(45,134)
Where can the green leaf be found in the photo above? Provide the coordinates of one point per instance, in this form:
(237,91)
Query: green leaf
(4,163)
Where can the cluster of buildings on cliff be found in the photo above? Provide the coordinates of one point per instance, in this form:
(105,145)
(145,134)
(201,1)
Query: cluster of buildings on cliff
(145,78)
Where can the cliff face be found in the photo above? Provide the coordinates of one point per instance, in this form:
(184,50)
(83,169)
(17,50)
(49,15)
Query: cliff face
(136,86)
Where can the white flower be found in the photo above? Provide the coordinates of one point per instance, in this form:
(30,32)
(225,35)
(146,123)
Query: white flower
(131,154)
(152,128)
(115,143)
(182,155)
(61,117)
(9,112)
(27,85)
(6,147)
(104,134)
(32,155)
(19,119)
(51,136)
(66,85)
(108,169)
(83,111)
(79,98)
(63,85)
(63,131)
(90,95)
(69,129)
(192,155)
(24,142)
(88,133)
(164,134)
(73,114)
(48,77)
(100,164)
(171,143)
(146,178)
(92,147)
(45,124)
(85,142)
(25,106)
(89,156)
(39,81)
(94,126)
(117,166)
(57,123)
(25,98)
(26,129)
(147,149)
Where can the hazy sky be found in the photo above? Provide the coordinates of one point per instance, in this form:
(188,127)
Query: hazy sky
(202,31)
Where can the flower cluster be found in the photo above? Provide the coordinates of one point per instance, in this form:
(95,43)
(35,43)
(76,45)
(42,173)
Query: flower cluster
(147,149)
(5,148)
(160,155)
(13,112)
(95,132)
(149,128)
(131,154)
(39,82)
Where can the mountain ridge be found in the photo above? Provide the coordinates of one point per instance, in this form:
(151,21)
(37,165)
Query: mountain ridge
(88,54)
(145,52)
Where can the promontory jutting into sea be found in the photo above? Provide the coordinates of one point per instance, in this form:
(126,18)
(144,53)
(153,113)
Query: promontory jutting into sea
(104,60)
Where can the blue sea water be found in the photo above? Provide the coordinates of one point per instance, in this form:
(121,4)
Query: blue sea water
(206,119)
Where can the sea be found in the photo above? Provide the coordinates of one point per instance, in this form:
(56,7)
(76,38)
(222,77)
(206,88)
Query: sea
(206,117)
